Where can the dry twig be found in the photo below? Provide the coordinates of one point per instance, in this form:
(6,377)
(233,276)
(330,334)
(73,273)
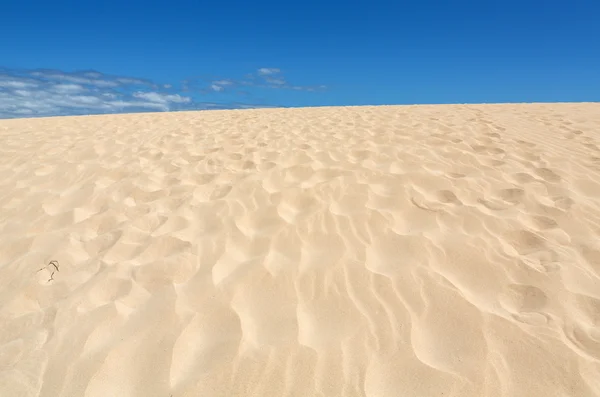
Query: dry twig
(54,264)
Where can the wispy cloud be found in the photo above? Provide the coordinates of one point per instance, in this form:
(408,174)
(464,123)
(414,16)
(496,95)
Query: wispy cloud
(53,93)
(157,97)
(267,78)
(274,78)
(68,88)
(268,71)
(220,85)
(48,92)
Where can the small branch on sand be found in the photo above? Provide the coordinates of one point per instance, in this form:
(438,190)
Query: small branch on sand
(53,264)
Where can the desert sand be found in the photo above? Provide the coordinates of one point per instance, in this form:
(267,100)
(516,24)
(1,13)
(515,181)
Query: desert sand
(447,250)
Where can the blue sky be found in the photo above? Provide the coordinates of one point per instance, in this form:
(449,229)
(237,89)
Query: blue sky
(59,58)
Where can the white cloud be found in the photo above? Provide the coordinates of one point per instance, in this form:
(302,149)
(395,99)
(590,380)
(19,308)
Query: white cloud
(115,105)
(24,111)
(54,93)
(76,79)
(219,85)
(275,81)
(68,88)
(94,75)
(81,100)
(127,80)
(44,92)
(268,71)
(273,78)
(15,84)
(161,98)
(22,92)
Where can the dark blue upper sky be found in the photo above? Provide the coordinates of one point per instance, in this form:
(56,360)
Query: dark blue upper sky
(369,52)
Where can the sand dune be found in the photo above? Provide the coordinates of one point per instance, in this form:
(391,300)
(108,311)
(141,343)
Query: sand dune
(361,251)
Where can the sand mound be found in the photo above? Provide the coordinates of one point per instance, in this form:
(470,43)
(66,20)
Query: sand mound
(362,251)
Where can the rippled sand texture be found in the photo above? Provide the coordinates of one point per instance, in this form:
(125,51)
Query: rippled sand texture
(367,251)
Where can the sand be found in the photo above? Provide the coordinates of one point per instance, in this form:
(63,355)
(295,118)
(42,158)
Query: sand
(352,251)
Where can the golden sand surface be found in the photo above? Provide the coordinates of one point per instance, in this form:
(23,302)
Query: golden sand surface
(389,251)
